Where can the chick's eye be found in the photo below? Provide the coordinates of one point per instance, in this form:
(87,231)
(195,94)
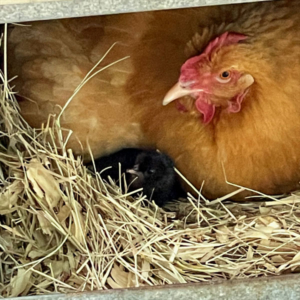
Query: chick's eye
(225,75)
(151,171)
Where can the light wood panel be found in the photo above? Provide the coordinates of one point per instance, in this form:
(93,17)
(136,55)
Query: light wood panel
(5,2)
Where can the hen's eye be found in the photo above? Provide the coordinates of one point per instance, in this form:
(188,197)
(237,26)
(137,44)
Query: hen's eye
(225,75)
(151,171)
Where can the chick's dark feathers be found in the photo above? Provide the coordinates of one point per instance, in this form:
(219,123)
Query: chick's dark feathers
(147,169)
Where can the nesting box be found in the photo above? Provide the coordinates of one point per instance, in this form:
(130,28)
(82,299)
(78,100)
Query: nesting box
(65,230)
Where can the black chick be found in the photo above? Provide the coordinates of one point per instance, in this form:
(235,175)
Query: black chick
(147,169)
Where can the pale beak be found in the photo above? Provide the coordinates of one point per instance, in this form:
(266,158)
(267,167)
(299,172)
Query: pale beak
(177,91)
(133,172)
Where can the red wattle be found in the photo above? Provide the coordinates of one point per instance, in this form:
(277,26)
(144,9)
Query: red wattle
(208,110)
(180,106)
(234,105)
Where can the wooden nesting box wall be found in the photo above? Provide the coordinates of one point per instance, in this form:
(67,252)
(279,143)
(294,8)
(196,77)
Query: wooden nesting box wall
(212,84)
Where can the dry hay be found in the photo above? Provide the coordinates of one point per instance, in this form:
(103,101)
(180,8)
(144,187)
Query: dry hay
(62,230)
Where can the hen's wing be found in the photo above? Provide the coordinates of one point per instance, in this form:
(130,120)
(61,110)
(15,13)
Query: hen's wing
(52,58)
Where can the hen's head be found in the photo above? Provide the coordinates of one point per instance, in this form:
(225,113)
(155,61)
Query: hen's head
(211,82)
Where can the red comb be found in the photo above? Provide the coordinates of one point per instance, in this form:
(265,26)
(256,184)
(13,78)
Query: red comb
(189,70)
(225,39)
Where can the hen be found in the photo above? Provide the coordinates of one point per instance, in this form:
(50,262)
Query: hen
(238,73)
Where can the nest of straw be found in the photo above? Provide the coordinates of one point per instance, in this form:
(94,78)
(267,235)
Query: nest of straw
(63,230)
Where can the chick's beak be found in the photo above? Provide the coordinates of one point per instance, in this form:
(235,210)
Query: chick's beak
(177,91)
(136,178)
(133,172)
